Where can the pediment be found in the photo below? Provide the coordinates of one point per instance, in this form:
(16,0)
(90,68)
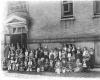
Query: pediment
(15,19)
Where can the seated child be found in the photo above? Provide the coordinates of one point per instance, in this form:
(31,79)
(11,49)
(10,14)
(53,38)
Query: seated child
(42,63)
(9,65)
(17,66)
(21,66)
(38,65)
(5,61)
(64,65)
(34,64)
(29,65)
(51,65)
(78,66)
(46,65)
(58,67)
(69,54)
(25,64)
(13,66)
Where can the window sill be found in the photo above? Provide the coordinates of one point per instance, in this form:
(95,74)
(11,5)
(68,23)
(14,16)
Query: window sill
(96,16)
(68,19)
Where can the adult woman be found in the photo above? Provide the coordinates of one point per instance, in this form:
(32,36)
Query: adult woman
(92,58)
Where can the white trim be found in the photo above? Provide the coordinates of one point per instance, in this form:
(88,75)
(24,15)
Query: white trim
(16,17)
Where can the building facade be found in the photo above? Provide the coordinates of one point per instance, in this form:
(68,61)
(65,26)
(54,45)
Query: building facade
(53,23)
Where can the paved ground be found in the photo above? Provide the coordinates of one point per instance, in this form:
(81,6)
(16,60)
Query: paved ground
(95,73)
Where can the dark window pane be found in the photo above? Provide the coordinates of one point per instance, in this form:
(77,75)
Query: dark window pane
(65,7)
(14,29)
(19,30)
(97,6)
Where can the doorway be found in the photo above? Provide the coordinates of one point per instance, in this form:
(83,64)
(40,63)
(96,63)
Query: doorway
(21,39)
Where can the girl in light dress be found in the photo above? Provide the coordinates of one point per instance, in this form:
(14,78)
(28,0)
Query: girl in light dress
(29,65)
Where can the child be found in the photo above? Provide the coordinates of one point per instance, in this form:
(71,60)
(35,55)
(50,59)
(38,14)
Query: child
(69,54)
(46,65)
(42,63)
(78,66)
(31,55)
(51,55)
(60,54)
(21,66)
(13,66)
(64,54)
(25,64)
(17,66)
(51,66)
(34,64)
(79,54)
(73,52)
(58,67)
(86,57)
(38,65)
(21,56)
(63,65)
(29,65)
(46,53)
(9,65)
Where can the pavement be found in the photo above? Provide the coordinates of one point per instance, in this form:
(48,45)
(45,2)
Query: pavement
(94,73)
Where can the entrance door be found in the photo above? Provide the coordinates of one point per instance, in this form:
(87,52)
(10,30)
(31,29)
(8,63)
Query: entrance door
(21,39)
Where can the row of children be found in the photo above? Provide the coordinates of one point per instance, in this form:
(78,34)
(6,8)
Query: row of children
(65,59)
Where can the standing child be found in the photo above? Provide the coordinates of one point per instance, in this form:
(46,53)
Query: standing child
(86,57)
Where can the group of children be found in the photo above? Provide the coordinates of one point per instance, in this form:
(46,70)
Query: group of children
(62,60)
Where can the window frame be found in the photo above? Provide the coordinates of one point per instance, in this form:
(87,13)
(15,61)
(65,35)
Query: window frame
(94,8)
(62,9)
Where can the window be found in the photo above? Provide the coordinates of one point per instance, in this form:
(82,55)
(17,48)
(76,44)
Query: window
(67,9)
(19,30)
(96,7)
(14,30)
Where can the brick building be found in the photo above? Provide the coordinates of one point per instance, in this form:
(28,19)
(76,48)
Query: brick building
(53,23)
